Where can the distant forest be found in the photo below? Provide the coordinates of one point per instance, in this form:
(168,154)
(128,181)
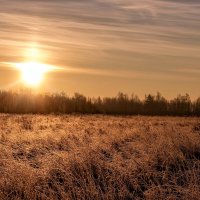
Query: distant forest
(27,102)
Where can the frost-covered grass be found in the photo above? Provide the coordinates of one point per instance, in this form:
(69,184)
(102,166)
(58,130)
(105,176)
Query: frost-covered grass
(99,157)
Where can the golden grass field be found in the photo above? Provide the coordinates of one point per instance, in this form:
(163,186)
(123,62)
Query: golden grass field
(99,157)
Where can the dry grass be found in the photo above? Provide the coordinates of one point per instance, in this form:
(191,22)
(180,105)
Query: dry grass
(99,157)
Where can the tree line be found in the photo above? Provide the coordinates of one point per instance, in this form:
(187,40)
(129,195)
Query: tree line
(27,102)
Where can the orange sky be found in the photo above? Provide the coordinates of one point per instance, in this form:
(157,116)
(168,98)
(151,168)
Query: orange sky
(104,46)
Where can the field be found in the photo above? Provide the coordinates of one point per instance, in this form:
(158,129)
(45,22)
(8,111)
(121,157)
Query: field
(99,157)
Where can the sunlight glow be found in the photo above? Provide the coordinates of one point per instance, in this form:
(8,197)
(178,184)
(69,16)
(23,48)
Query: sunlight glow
(32,73)
(32,69)
(33,52)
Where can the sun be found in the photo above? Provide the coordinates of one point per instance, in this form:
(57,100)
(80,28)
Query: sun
(32,73)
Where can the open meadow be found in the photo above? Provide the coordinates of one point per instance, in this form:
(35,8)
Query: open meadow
(99,157)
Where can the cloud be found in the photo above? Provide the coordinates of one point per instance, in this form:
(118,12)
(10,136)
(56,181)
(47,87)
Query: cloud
(104,34)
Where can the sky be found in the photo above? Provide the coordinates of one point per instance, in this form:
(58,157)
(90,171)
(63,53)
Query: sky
(104,46)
